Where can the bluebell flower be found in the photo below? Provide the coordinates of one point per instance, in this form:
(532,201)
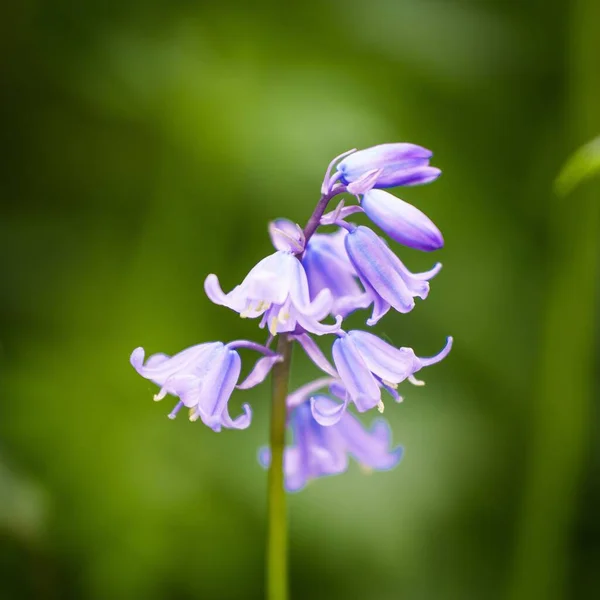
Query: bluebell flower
(383,274)
(277,289)
(365,364)
(328,267)
(393,164)
(318,451)
(403,222)
(203,377)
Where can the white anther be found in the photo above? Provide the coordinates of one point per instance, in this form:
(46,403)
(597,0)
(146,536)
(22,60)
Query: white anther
(412,379)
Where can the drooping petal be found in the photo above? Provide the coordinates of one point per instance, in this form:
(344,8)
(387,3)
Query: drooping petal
(259,373)
(241,422)
(390,364)
(375,264)
(217,387)
(234,300)
(160,367)
(354,373)
(403,222)
(370,449)
(325,412)
(314,326)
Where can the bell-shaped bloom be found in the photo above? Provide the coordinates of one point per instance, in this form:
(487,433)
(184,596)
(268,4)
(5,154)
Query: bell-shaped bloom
(203,377)
(318,451)
(277,289)
(365,364)
(403,222)
(395,164)
(328,267)
(383,274)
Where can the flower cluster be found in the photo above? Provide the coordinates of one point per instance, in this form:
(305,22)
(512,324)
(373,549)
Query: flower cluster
(306,288)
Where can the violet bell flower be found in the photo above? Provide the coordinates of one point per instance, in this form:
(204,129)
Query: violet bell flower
(318,451)
(390,165)
(277,289)
(403,222)
(328,267)
(203,377)
(364,364)
(383,274)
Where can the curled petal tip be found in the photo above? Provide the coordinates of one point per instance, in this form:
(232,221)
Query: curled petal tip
(137,358)
(425,362)
(325,412)
(213,290)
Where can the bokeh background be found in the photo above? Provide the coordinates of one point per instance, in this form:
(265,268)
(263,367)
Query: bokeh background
(147,144)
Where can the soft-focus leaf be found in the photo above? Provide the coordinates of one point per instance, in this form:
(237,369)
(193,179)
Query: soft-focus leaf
(583,164)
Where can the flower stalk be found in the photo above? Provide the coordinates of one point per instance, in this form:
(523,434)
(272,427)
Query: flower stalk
(277,571)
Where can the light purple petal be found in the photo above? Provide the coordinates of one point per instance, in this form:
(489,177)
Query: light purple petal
(314,326)
(241,422)
(218,385)
(270,280)
(376,266)
(325,412)
(401,221)
(286,235)
(358,380)
(260,371)
(384,360)
(426,362)
(407,176)
(369,448)
(295,469)
(158,368)
(315,354)
(364,183)
(338,389)
(233,300)
(326,185)
(334,216)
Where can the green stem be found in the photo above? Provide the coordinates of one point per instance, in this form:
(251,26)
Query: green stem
(564,390)
(277,575)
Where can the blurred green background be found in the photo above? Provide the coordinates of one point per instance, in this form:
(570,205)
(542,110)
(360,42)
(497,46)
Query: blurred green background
(147,144)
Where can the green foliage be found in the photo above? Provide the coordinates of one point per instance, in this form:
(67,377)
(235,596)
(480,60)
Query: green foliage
(583,164)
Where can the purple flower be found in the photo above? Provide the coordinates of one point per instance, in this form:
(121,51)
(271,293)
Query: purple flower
(318,451)
(398,164)
(203,377)
(383,275)
(364,364)
(328,267)
(403,222)
(277,289)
